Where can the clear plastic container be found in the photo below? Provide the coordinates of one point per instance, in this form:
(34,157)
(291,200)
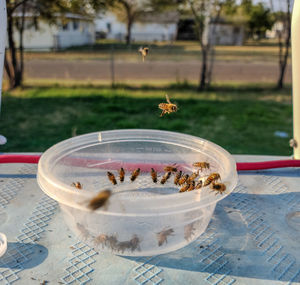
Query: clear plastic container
(141,217)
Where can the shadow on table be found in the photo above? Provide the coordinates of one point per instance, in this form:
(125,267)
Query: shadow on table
(23,255)
(252,236)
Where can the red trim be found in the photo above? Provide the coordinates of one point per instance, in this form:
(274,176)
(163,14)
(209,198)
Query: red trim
(241,166)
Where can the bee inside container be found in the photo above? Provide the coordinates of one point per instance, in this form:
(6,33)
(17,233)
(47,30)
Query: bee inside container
(129,204)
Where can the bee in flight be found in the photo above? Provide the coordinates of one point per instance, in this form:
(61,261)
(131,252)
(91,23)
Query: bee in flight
(99,200)
(154,175)
(165,177)
(167,107)
(211,178)
(162,236)
(218,187)
(121,174)
(177,177)
(144,52)
(135,174)
(77,185)
(111,178)
(201,165)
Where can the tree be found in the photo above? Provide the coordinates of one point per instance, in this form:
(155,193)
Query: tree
(50,11)
(284,41)
(260,19)
(129,11)
(206,14)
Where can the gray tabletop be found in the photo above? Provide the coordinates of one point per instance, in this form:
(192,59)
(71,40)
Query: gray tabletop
(253,238)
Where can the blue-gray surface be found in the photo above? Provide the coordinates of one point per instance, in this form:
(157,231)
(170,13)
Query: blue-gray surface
(253,238)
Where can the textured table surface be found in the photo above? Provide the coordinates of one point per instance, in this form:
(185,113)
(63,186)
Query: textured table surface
(253,238)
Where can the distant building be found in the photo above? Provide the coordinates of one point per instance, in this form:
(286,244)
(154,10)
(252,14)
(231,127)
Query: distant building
(75,31)
(278,28)
(161,27)
(221,32)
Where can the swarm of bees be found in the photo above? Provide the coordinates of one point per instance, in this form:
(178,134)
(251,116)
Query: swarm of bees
(185,181)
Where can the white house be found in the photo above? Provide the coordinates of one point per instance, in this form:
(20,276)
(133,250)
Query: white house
(161,27)
(76,30)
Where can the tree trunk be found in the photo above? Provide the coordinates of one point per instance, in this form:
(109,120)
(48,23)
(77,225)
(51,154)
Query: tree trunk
(21,48)
(129,26)
(202,83)
(283,58)
(13,54)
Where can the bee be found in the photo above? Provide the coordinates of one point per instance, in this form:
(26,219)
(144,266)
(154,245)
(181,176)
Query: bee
(101,239)
(135,243)
(177,177)
(191,186)
(112,242)
(135,174)
(170,168)
(201,165)
(154,175)
(84,233)
(212,177)
(192,177)
(167,107)
(121,174)
(111,178)
(162,236)
(99,200)
(189,231)
(183,179)
(184,188)
(218,187)
(165,177)
(77,185)
(123,245)
(199,185)
(144,52)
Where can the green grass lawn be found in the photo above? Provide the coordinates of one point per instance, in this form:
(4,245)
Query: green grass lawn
(242,119)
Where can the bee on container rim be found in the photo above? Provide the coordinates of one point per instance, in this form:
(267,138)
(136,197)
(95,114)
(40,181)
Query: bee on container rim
(135,174)
(183,179)
(199,184)
(170,168)
(220,188)
(193,177)
(202,165)
(154,175)
(121,174)
(77,185)
(165,177)
(144,52)
(99,200)
(212,177)
(167,107)
(184,188)
(191,186)
(162,236)
(177,177)
(111,178)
